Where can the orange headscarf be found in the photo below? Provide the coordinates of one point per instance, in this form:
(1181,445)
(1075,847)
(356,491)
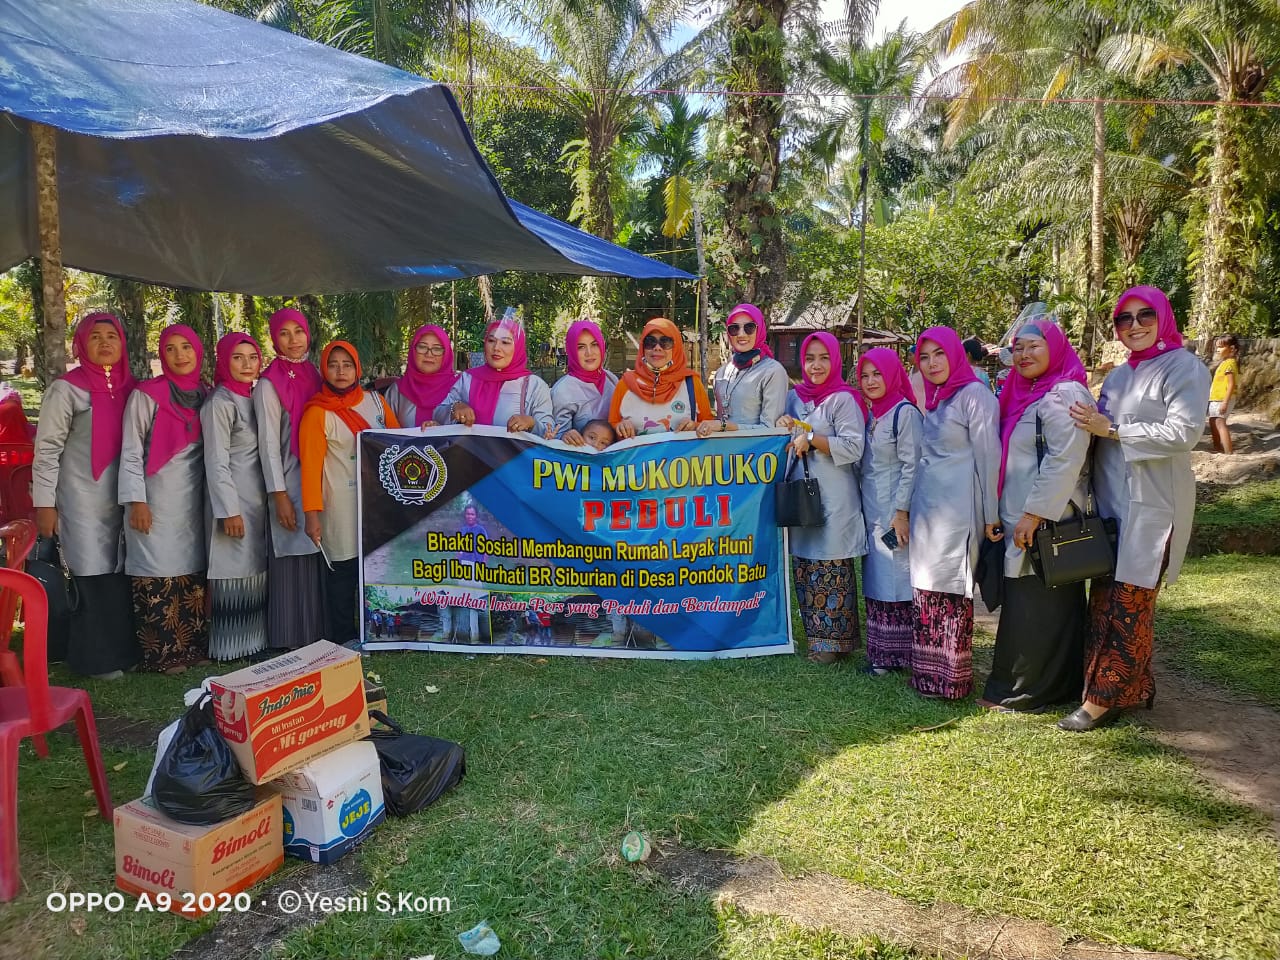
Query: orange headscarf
(341,405)
(659,386)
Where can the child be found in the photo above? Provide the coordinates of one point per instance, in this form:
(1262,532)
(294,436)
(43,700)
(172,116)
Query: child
(598,434)
(1223,391)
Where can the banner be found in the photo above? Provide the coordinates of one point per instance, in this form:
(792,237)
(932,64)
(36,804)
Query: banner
(478,540)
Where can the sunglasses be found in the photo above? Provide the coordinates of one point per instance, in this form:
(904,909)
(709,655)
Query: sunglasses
(1145,317)
(748,328)
(429,351)
(666,343)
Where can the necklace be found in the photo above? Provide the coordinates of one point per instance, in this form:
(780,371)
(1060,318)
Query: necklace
(731,381)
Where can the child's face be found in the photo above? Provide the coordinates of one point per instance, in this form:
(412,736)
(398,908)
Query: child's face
(1225,349)
(597,436)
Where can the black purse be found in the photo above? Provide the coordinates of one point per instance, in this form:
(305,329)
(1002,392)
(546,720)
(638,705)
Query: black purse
(47,565)
(798,503)
(1072,551)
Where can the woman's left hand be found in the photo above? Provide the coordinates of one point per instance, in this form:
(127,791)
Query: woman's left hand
(994,533)
(520,423)
(687,425)
(707,427)
(800,444)
(573,438)
(1090,418)
(1025,531)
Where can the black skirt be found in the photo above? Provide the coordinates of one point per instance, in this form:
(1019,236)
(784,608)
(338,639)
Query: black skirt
(103,637)
(1039,655)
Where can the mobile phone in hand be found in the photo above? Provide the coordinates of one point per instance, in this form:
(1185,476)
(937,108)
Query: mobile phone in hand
(890,539)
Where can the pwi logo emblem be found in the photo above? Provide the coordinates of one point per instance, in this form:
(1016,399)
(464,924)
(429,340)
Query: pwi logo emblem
(412,475)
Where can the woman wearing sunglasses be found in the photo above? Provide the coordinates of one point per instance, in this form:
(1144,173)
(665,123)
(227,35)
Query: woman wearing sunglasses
(1150,414)
(751,389)
(661,393)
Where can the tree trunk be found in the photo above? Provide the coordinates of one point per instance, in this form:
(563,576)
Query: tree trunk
(255,323)
(53,316)
(1097,235)
(485,286)
(750,160)
(703,292)
(862,251)
(128,300)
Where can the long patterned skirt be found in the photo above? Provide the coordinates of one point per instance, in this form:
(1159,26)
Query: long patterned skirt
(828,595)
(170,616)
(942,645)
(1117,669)
(238,618)
(295,601)
(889,631)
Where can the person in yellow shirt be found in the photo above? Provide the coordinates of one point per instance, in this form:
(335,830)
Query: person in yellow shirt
(1223,391)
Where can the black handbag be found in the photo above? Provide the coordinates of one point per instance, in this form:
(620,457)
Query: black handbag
(416,770)
(47,565)
(798,503)
(1072,551)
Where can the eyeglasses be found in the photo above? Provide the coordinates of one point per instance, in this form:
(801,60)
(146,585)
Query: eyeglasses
(1145,317)
(429,351)
(666,343)
(748,328)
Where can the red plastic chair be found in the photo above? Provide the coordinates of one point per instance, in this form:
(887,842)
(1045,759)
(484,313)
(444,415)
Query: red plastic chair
(35,709)
(15,481)
(19,537)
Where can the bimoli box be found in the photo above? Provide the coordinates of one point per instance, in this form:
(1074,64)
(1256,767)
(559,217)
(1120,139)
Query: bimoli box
(278,714)
(332,802)
(194,865)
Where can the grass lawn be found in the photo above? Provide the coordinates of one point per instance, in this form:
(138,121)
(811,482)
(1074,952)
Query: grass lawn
(1221,620)
(1109,836)
(1251,504)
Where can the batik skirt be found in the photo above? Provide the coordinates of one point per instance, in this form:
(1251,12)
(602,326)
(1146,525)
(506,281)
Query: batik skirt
(238,617)
(942,644)
(1117,669)
(169,613)
(889,632)
(828,595)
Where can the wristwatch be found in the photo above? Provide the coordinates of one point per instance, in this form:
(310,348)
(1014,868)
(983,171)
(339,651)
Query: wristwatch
(1113,432)
(809,436)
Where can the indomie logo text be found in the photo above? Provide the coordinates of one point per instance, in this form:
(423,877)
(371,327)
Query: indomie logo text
(161,878)
(293,696)
(236,844)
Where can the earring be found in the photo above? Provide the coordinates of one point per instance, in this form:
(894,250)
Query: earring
(1159,344)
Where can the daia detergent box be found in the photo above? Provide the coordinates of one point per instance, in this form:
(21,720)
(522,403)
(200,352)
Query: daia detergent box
(331,803)
(278,714)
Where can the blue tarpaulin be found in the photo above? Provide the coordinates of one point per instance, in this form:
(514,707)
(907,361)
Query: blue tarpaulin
(204,150)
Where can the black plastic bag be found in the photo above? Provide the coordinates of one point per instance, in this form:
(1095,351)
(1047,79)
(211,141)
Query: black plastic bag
(416,770)
(199,779)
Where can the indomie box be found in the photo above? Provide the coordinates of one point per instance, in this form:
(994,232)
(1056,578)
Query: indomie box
(332,803)
(278,714)
(197,867)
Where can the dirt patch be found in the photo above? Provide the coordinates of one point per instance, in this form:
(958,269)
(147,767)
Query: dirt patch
(758,886)
(123,732)
(1256,442)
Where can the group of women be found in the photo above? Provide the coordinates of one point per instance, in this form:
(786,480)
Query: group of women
(123,471)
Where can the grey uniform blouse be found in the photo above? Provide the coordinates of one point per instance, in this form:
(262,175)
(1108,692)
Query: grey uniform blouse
(752,399)
(90,518)
(843,535)
(955,491)
(175,547)
(1144,479)
(281,470)
(574,403)
(233,479)
(888,479)
(1045,488)
(406,410)
(537,402)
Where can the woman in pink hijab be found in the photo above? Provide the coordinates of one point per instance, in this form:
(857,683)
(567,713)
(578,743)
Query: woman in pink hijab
(75,486)
(953,505)
(1150,414)
(427,379)
(162,486)
(237,516)
(295,569)
(501,392)
(750,389)
(584,393)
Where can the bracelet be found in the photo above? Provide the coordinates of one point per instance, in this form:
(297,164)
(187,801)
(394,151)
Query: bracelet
(1113,432)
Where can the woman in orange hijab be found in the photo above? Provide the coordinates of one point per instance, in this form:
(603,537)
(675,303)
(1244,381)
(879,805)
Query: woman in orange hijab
(661,393)
(331,421)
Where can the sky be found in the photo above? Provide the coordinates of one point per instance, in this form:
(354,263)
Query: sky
(919,14)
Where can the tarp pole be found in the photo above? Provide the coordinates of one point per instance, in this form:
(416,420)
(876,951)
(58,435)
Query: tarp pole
(53,332)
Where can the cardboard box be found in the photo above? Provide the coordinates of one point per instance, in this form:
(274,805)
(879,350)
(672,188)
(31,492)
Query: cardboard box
(375,697)
(278,714)
(332,803)
(156,855)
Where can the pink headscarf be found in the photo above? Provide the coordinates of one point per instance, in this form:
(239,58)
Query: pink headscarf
(1020,393)
(296,381)
(426,391)
(178,399)
(961,373)
(1167,335)
(897,385)
(815,393)
(597,377)
(486,382)
(752,312)
(108,389)
(222,366)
